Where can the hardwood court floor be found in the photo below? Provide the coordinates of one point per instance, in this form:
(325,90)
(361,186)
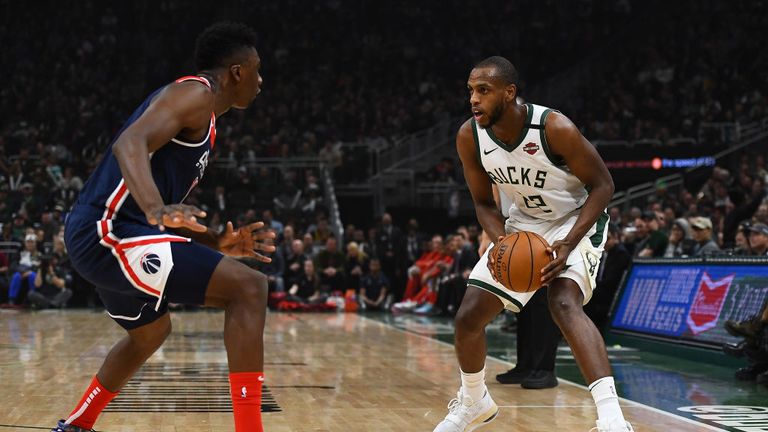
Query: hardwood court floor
(324,372)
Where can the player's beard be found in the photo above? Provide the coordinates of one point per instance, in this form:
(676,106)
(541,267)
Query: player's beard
(495,115)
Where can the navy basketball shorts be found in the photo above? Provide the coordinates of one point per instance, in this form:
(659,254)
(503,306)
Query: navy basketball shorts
(137,269)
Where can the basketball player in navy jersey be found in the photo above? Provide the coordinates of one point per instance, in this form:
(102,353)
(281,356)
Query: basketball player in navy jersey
(130,234)
(557,187)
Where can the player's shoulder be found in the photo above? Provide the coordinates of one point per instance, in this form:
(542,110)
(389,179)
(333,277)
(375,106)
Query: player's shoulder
(466,130)
(192,93)
(556,120)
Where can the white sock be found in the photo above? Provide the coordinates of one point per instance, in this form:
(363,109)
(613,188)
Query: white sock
(607,401)
(474,384)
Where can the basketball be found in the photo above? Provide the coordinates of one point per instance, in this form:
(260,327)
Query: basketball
(519,259)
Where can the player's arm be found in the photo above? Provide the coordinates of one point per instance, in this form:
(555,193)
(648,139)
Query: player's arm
(180,107)
(582,159)
(485,240)
(479,183)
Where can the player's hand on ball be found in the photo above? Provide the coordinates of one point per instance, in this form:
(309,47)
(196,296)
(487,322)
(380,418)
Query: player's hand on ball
(560,251)
(492,257)
(177,216)
(246,241)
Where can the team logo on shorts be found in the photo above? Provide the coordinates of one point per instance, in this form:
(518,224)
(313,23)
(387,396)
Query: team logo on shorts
(531,148)
(150,263)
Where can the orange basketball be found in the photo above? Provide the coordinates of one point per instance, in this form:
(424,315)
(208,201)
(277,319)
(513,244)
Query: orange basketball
(519,258)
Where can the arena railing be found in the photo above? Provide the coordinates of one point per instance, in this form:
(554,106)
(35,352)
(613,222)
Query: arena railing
(635,194)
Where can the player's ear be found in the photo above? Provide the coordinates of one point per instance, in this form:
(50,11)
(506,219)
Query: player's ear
(235,70)
(511,92)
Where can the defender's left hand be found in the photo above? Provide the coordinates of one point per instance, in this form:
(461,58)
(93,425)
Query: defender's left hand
(560,251)
(246,241)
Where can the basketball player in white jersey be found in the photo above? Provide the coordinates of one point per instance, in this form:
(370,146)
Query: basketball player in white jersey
(559,188)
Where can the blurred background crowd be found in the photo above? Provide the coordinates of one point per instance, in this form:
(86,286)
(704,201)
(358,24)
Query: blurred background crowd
(622,70)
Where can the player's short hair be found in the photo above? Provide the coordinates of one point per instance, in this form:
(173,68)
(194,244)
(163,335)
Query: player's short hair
(220,41)
(504,68)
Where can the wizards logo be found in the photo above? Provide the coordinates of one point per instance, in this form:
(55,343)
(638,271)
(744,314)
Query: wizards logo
(708,303)
(150,263)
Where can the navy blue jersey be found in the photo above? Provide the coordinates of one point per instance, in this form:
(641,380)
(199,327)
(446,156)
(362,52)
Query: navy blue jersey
(177,167)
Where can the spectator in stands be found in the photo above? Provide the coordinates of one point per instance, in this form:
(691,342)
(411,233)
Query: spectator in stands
(615,216)
(452,284)
(271,222)
(330,263)
(51,285)
(289,235)
(414,239)
(389,245)
(758,239)
(427,298)
(306,288)
(19,226)
(274,270)
(762,214)
(654,242)
(294,262)
(374,287)
(745,205)
(358,236)
(702,234)
(356,265)
(310,250)
(741,245)
(680,242)
(420,289)
(320,232)
(419,272)
(26,271)
(615,260)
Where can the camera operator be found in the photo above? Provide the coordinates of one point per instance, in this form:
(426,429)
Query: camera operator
(50,288)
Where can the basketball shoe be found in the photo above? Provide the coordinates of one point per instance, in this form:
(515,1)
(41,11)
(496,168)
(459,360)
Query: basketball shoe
(466,415)
(613,426)
(63,427)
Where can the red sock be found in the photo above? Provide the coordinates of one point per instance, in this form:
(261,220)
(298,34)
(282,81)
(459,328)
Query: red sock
(90,406)
(245,389)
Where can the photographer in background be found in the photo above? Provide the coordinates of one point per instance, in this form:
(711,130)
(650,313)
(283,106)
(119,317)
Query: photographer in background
(50,287)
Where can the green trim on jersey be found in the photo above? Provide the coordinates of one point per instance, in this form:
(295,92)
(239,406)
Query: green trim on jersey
(557,161)
(520,138)
(493,290)
(597,237)
(477,140)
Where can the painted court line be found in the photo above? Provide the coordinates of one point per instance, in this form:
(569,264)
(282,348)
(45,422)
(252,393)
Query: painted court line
(631,403)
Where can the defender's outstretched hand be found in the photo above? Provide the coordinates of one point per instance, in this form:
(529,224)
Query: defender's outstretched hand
(177,216)
(246,241)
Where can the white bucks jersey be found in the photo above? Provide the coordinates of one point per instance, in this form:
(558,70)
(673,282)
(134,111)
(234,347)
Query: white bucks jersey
(538,183)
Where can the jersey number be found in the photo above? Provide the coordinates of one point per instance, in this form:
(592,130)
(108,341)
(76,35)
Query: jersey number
(536,201)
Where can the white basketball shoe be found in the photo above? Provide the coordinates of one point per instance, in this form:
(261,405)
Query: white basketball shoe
(466,415)
(612,426)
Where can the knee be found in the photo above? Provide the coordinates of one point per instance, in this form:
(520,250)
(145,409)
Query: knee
(465,324)
(148,342)
(253,289)
(563,308)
